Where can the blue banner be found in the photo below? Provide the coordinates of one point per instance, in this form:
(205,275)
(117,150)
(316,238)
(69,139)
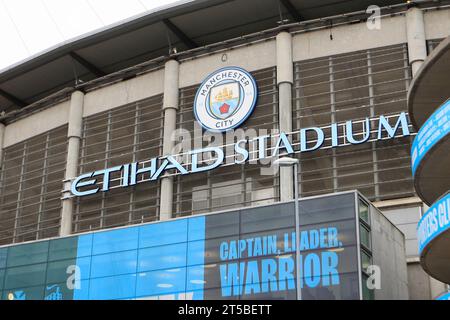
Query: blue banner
(432,131)
(445,296)
(434,222)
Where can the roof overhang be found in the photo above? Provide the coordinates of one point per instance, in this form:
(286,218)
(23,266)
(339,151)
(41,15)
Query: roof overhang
(183,25)
(430,87)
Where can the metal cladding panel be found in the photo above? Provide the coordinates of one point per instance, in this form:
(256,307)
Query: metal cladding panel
(135,47)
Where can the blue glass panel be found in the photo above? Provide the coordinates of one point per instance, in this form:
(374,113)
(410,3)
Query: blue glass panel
(165,257)
(27,254)
(114,264)
(211,294)
(115,240)
(196,228)
(84,248)
(57,271)
(118,287)
(83,292)
(2,275)
(196,253)
(63,249)
(195,278)
(26,276)
(156,283)
(29,293)
(60,291)
(3,255)
(159,234)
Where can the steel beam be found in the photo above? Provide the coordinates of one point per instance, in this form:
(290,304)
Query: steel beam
(191,44)
(88,65)
(18,102)
(292,10)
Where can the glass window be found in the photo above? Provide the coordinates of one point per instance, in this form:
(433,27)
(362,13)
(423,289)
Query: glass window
(84,247)
(111,288)
(329,208)
(222,225)
(59,271)
(115,240)
(196,228)
(163,233)
(164,257)
(60,291)
(347,290)
(82,293)
(365,236)
(28,254)
(114,264)
(29,293)
(206,252)
(2,275)
(366,260)
(196,277)
(368,294)
(63,249)
(70,248)
(26,276)
(162,282)
(3,255)
(364,212)
(254,220)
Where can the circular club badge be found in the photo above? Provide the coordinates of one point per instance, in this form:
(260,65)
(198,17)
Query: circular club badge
(225,99)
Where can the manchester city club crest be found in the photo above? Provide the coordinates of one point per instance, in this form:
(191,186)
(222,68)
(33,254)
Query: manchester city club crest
(225,99)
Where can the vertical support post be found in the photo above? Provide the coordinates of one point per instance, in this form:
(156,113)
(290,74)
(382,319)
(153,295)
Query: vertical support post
(73,148)
(415,29)
(2,135)
(285,80)
(170,108)
(298,272)
(333,120)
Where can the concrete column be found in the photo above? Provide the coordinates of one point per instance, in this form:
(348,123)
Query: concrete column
(73,148)
(285,80)
(436,288)
(2,135)
(417,46)
(170,107)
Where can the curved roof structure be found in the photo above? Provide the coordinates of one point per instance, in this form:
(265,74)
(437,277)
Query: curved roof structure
(429,110)
(185,25)
(429,88)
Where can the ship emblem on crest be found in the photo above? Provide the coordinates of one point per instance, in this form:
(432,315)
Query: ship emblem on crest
(225,99)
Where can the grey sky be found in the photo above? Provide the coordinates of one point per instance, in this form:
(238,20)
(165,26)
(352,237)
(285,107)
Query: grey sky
(28,27)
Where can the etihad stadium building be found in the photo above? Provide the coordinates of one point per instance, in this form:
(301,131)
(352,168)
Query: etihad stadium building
(144,160)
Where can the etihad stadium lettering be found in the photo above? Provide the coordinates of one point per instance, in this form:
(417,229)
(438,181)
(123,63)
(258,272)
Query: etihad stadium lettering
(308,140)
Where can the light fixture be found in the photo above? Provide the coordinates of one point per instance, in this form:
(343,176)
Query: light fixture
(286,162)
(198,281)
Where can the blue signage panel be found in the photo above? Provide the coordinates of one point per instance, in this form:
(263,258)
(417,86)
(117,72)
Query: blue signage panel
(445,296)
(241,254)
(435,221)
(432,131)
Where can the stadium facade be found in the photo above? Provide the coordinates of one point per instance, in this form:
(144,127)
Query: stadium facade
(138,162)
